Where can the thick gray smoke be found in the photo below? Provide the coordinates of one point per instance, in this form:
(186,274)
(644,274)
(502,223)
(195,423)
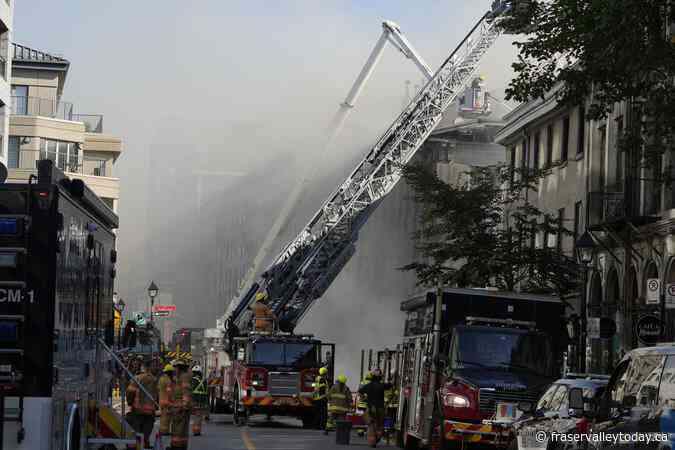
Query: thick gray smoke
(238,95)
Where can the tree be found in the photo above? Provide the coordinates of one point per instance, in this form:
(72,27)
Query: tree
(483,231)
(599,53)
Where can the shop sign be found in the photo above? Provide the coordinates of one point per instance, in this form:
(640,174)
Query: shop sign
(649,330)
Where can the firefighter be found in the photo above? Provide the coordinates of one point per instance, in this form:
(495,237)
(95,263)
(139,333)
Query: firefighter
(264,316)
(182,406)
(374,391)
(339,402)
(361,404)
(143,407)
(165,387)
(319,398)
(200,400)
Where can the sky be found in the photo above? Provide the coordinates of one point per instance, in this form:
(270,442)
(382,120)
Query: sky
(232,85)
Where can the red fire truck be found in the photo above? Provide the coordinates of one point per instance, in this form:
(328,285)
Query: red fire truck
(465,370)
(273,374)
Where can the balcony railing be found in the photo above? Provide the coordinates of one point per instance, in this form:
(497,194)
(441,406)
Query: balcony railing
(25,159)
(45,107)
(93,123)
(606,208)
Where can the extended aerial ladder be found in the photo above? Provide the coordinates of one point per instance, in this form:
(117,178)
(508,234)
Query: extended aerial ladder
(391,32)
(307,266)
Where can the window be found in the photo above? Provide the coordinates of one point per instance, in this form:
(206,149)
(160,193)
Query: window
(638,383)
(577,221)
(512,164)
(581,132)
(544,403)
(4,50)
(561,220)
(619,152)
(549,146)
(535,155)
(603,157)
(19,99)
(565,138)
(559,400)
(64,154)
(13,146)
(667,389)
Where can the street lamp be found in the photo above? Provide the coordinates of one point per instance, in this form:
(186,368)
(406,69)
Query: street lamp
(153,290)
(585,248)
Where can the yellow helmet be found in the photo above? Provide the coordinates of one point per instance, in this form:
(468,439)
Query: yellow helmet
(168,368)
(323,371)
(260,296)
(342,378)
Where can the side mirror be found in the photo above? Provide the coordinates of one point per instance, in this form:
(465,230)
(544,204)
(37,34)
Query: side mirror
(576,400)
(525,407)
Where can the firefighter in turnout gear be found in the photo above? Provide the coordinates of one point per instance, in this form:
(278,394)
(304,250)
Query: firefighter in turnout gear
(319,398)
(182,406)
(200,400)
(361,404)
(143,407)
(375,401)
(264,317)
(165,387)
(339,402)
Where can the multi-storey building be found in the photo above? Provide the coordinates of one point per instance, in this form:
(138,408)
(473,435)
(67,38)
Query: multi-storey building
(44,126)
(592,185)
(6,16)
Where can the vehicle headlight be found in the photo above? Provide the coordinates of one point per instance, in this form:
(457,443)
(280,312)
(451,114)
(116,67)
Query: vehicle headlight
(455,401)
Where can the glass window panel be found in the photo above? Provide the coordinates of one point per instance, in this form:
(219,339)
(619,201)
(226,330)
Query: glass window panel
(62,155)
(73,157)
(14,145)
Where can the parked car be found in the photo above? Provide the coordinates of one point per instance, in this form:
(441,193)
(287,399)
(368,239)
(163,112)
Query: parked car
(552,413)
(639,400)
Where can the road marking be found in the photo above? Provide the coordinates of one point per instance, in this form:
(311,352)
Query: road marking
(247,440)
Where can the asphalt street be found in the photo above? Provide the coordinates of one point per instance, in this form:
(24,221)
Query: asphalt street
(260,434)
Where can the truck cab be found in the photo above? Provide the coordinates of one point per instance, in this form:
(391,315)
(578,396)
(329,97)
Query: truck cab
(273,374)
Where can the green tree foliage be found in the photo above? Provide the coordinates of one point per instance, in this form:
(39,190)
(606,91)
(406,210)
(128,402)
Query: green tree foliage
(600,53)
(482,232)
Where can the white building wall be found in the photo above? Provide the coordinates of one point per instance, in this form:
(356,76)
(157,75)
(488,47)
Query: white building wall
(6,22)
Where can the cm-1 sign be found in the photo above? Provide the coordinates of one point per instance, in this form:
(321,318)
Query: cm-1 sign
(16,295)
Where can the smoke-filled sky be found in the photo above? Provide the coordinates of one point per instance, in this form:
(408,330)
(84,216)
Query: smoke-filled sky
(231,85)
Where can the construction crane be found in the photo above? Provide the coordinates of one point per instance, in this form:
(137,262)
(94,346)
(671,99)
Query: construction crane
(391,32)
(307,266)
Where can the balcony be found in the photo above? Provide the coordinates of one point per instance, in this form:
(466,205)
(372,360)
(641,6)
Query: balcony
(605,208)
(68,161)
(44,107)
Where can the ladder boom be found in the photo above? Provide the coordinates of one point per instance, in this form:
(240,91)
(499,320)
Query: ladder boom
(307,266)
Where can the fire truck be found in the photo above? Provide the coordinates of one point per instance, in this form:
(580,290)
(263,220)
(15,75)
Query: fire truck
(57,266)
(273,374)
(469,358)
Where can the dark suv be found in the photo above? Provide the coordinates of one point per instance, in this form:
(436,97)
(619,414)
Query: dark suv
(639,401)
